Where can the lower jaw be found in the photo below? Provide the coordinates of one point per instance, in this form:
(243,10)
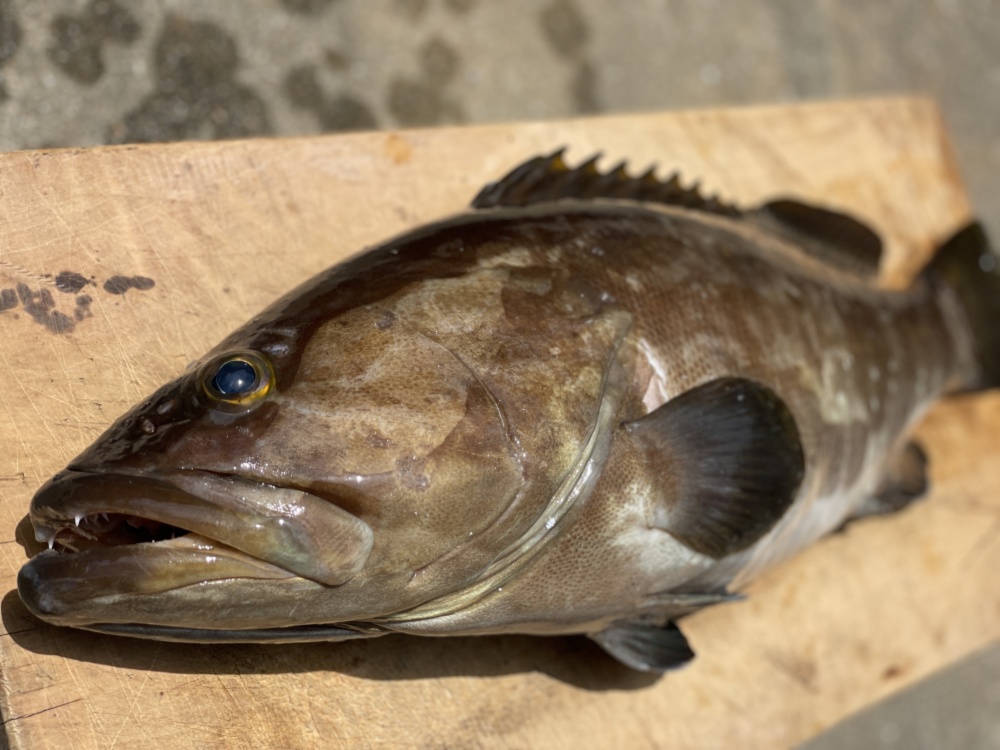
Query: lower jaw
(290,634)
(58,586)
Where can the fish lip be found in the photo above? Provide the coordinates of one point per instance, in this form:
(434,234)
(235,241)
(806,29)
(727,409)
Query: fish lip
(67,588)
(283,531)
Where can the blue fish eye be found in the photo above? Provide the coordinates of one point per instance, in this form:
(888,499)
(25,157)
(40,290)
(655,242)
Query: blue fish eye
(238,380)
(235,378)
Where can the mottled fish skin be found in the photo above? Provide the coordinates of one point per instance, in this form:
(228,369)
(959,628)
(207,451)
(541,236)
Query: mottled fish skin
(462,390)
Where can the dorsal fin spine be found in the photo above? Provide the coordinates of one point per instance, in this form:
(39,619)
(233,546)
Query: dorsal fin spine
(549,178)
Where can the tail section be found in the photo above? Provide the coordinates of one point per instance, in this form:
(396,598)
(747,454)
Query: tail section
(967,265)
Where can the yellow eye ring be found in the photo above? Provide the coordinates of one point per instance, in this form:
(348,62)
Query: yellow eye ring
(239,378)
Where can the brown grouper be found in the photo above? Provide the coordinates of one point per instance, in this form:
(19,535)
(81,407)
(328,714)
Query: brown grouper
(593,404)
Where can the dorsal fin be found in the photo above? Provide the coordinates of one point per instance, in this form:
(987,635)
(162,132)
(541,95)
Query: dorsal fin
(548,178)
(732,451)
(831,236)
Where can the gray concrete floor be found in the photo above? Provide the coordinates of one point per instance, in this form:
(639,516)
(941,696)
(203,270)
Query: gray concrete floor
(82,72)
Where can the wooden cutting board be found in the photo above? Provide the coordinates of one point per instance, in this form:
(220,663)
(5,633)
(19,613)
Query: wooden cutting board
(118,266)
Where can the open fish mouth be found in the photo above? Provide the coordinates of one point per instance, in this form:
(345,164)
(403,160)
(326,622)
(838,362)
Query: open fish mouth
(118,534)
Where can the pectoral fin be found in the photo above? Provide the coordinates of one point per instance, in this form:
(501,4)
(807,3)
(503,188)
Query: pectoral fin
(648,648)
(731,461)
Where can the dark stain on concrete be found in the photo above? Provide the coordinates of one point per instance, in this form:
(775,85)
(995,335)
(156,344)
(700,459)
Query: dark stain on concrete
(412,10)
(567,32)
(460,7)
(335,113)
(336,60)
(10,31)
(122,284)
(423,101)
(306,7)
(565,28)
(197,94)
(71,282)
(10,39)
(77,41)
(584,89)
(415,103)
(439,62)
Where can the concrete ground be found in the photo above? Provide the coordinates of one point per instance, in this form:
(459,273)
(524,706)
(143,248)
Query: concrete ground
(82,72)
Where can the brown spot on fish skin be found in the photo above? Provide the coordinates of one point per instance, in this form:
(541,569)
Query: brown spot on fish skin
(71,282)
(121,284)
(378,440)
(410,471)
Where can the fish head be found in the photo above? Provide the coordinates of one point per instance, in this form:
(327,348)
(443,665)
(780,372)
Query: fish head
(318,473)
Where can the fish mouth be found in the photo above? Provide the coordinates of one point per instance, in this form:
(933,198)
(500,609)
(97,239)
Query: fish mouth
(115,535)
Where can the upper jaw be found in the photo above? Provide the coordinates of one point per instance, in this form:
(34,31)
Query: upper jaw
(137,533)
(294,530)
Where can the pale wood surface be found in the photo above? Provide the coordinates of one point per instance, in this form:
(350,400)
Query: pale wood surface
(223,228)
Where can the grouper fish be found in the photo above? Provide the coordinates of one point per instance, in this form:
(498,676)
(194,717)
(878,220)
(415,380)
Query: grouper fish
(595,403)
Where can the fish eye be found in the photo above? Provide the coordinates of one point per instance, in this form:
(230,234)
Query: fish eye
(238,378)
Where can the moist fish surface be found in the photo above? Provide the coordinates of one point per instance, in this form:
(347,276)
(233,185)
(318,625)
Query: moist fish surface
(594,404)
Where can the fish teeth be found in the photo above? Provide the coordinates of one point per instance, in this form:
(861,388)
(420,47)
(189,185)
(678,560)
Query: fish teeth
(77,519)
(45,535)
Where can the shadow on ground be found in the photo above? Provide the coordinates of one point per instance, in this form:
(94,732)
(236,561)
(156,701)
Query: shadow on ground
(574,660)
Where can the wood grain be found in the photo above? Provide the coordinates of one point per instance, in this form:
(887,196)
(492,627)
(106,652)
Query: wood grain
(223,228)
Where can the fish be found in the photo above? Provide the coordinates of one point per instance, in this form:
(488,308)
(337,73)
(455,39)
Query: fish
(594,403)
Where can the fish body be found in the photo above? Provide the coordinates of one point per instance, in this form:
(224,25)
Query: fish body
(595,404)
